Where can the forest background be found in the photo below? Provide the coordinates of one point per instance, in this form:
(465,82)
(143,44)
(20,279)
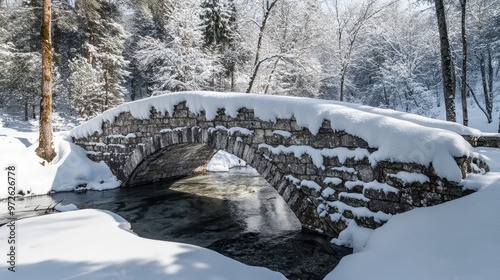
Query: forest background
(375,52)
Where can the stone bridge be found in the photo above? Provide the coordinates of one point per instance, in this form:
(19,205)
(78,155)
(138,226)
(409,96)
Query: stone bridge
(316,158)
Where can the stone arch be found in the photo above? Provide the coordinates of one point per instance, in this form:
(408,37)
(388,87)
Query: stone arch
(176,153)
(329,183)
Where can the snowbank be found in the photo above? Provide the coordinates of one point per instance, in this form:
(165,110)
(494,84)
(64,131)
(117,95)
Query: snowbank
(454,240)
(69,169)
(95,244)
(398,136)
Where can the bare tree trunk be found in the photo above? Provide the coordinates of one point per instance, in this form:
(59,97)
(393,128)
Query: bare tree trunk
(256,64)
(465,113)
(45,149)
(271,75)
(386,98)
(90,57)
(488,96)
(106,90)
(232,80)
(490,73)
(342,83)
(26,117)
(446,63)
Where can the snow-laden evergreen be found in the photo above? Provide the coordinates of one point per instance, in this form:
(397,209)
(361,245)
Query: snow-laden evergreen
(178,62)
(85,88)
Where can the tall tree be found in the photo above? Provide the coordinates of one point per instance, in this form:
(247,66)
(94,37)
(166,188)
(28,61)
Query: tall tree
(85,85)
(446,63)
(216,24)
(463,90)
(220,39)
(103,44)
(45,148)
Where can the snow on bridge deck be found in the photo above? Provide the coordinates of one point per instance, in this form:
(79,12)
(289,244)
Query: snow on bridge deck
(399,137)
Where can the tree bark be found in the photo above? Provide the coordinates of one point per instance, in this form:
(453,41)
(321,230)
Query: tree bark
(343,72)
(465,113)
(26,117)
(488,98)
(490,73)
(45,149)
(446,63)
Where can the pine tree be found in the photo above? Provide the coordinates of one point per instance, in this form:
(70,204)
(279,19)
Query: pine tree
(110,55)
(221,39)
(178,62)
(104,44)
(217,32)
(85,88)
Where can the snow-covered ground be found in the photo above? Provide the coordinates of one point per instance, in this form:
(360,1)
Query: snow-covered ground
(477,119)
(96,244)
(455,240)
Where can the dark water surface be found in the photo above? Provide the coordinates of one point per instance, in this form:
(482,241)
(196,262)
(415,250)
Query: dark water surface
(236,214)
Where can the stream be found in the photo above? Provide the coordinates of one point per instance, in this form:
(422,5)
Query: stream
(236,213)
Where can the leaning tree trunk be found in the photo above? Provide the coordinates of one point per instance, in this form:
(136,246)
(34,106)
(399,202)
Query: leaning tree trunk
(45,149)
(446,63)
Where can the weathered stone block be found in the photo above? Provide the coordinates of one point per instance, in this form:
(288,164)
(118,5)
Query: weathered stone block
(381,195)
(297,168)
(355,202)
(365,173)
(348,214)
(388,207)
(368,222)
(430,198)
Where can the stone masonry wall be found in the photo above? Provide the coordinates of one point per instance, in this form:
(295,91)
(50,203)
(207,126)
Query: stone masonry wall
(326,192)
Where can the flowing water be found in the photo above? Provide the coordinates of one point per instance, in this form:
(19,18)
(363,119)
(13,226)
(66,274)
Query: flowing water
(235,213)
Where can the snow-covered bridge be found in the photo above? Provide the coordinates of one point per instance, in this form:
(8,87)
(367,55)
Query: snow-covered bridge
(332,162)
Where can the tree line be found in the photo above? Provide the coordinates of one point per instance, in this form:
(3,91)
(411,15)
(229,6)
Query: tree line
(375,52)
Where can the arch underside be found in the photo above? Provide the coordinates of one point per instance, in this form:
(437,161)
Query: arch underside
(170,163)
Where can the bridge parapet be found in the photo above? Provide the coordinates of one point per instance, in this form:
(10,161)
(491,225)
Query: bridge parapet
(328,177)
